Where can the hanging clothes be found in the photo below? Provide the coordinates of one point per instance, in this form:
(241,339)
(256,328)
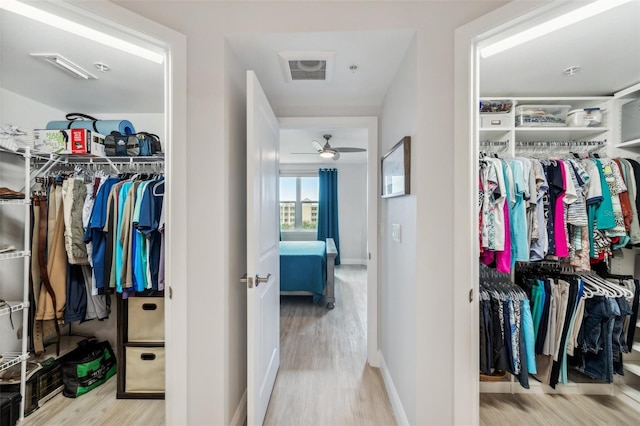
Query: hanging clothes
(573,210)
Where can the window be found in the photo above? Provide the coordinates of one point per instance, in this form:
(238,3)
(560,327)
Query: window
(299,203)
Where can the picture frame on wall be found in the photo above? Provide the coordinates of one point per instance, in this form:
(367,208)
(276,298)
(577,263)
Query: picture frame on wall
(396,170)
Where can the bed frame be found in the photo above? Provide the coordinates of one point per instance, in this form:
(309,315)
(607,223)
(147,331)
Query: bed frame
(328,297)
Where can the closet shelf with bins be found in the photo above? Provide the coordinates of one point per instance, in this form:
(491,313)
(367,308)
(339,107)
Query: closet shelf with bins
(505,128)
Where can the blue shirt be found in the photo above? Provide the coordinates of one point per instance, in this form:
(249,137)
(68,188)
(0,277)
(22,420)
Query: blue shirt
(95,233)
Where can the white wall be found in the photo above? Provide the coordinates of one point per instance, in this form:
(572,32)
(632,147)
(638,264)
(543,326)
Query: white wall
(212,228)
(398,272)
(235,315)
(151,123)
(352,208)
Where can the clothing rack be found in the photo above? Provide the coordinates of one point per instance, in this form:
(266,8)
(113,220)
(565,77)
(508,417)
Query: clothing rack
(46,163)
(575,146)
(494,143)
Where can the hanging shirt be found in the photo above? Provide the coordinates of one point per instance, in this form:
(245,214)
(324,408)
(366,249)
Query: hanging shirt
(141,263)
(148,224)
(518,213)
(95,233)
(634,227)
(492,206)
(539,236)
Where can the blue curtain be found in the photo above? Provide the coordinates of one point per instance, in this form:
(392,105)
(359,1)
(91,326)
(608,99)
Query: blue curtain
(328,207)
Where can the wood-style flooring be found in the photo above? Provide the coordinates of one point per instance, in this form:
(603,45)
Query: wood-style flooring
(324,378)
(556,410)
(98,407)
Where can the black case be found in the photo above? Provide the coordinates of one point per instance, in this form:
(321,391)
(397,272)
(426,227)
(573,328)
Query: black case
(9,408)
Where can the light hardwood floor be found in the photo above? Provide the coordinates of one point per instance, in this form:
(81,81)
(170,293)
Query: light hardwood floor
(565,410)
(98,407)
(324,378)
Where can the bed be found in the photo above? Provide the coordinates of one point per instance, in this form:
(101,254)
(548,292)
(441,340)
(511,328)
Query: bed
(307,268)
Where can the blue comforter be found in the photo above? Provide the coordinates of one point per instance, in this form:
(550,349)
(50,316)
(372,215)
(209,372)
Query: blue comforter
(303,267)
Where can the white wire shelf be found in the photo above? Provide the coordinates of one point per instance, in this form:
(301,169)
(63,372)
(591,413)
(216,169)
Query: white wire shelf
(14,255)
(13,307)
(20,202)
(12,358)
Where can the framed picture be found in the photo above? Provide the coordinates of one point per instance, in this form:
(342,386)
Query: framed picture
(396,169)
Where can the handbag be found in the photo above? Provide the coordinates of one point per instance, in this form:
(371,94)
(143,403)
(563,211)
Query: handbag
(93,365)
(145,144)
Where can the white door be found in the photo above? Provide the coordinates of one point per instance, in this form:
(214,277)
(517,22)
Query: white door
(263,260)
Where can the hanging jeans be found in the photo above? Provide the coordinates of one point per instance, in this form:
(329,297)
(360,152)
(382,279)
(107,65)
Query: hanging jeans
(597,335)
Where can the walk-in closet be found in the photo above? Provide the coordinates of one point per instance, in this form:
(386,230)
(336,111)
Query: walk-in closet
(558,229)
(82,215)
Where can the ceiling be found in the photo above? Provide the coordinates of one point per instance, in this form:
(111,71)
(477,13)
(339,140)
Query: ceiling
(605,47)
(133,85)
(376,53)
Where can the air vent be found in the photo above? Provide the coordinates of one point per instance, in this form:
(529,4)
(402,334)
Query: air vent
(307,66)
(308,70)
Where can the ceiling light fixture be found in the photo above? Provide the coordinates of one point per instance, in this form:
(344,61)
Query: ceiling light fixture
(327,153)
(62,63)
(80,30)
(550,26)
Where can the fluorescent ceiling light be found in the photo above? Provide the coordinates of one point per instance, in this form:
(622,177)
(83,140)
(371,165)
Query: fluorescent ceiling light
(550,26)
(80,30)
(65,65)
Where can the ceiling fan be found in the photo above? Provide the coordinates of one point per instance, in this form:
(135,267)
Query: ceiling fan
(327,151)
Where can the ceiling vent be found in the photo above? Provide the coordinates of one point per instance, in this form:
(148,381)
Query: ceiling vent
(307,66)
(63,64)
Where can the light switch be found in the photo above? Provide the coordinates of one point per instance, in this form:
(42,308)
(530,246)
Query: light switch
(395,232)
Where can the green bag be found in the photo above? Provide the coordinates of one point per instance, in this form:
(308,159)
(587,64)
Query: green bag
(93,365)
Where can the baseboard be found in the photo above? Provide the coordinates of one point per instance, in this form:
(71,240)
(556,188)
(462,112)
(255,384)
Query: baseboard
(394,398)
(240,415)
(353,262)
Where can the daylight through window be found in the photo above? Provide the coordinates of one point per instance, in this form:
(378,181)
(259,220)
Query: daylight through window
(299,203)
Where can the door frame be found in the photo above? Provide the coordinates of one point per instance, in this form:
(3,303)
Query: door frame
(500,23)
(371,124)
(119,22)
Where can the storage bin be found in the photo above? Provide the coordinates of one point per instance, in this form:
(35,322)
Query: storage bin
(9,408)
(542,115)
(146,319)
(488,121)
(587,117)
(631,121)
(495,105)
(144,370)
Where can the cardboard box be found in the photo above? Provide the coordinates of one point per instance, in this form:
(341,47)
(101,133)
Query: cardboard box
(50,141)
(69,141)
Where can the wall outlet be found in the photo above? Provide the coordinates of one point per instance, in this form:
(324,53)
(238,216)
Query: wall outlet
(395,232)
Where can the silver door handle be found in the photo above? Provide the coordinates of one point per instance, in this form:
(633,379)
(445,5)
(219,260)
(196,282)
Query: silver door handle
(248,280)
(262,280)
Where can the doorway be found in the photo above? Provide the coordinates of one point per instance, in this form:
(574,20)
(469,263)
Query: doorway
(118,23)
(370,125)
(490,28)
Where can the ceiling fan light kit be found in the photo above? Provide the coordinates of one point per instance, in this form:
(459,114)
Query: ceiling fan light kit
(327,151)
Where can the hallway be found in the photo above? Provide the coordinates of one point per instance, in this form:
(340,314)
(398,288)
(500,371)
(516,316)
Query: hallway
(324,378)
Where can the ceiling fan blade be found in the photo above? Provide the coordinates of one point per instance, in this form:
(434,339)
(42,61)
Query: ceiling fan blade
(316,145)
(305,153)
(349,149)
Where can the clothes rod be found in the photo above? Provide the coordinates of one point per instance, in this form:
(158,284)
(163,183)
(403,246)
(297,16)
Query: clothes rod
(560,143)
(494,143)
